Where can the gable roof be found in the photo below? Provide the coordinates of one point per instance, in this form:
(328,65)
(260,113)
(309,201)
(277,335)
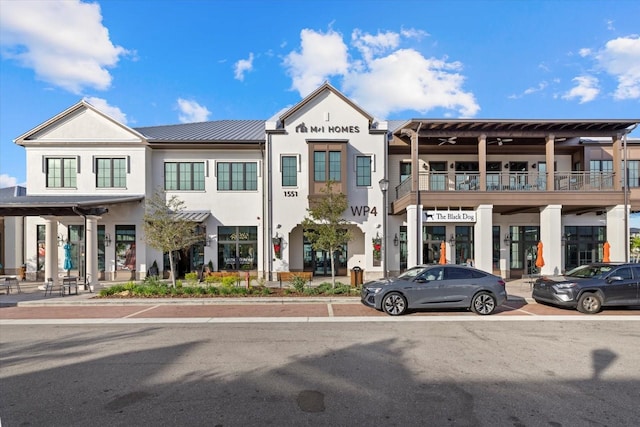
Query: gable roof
(326,86)
(82,104)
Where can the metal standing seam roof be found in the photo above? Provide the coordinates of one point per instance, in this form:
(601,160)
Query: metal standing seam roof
(213,131)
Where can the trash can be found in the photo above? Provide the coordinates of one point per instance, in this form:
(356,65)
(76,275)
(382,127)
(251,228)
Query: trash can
(356,276)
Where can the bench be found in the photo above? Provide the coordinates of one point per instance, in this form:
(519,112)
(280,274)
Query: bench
(288,276)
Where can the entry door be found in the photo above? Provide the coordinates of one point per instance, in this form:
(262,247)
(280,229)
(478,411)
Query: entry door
(322,263)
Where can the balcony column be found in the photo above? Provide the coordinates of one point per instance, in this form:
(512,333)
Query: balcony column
(617,162)
(483,238)
(482,161)
(551,237)
(550,160)
(616,233)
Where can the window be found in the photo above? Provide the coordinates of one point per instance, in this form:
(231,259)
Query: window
(237,248)
(187,176)
(363,171)
(289,171)
(633,173)
(237,176)
(126,247)
(111,173)
(323,173)
(405,171)
(61,172)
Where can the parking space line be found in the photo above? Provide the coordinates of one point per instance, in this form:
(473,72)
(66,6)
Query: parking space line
(330,309)
(141,311)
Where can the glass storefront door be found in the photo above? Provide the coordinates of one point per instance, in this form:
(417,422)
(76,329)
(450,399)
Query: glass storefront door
(319,261)
(432,237)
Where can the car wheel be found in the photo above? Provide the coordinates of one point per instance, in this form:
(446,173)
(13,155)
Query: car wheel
(394,304)
(483,303)
(589,303)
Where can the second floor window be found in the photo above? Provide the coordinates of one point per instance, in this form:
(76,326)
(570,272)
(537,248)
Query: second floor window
(186,176)
(237,176)
(111,173)
(61,172)
(289,171)
(363,171)
(326,166)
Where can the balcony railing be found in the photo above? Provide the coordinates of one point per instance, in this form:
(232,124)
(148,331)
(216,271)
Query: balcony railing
(510,181)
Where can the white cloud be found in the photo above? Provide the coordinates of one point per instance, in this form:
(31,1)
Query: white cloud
(584,52)
(191,111)
(531,90)
(110,110)
(7,181)
(321,55)
(243,66)
(385,78)
(621,59)
(64,42)
(586,89)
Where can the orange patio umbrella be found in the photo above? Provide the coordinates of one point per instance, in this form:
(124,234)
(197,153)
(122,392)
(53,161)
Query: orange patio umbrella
(443,253)
(607,252)
(539,259)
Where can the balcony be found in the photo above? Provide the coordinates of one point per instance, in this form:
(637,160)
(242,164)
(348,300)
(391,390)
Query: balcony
(512,192)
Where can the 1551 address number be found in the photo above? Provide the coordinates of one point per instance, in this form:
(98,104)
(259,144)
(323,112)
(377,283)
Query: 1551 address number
(290,194)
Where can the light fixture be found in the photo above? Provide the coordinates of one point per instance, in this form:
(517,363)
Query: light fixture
(533,166)
(60,240)
(384,184)
(506,165)
(107,239)
(451,166)
(452,240)
(395,240)
(507,238)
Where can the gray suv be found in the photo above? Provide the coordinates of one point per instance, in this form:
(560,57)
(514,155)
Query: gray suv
(436,286)
(591,287)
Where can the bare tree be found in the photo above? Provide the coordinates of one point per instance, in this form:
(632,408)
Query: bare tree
(163,228)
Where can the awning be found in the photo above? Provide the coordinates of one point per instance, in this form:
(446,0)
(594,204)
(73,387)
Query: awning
(192,216)
(61,205)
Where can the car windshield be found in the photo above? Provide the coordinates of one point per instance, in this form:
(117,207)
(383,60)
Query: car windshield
(590,271)
(411,273)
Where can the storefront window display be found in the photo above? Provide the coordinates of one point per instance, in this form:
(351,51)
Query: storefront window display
(237,248)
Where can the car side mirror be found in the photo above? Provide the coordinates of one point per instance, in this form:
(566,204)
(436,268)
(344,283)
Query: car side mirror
(614,279)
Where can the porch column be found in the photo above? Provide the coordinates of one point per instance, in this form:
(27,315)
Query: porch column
(616,235)
(617,162)
(414,235)
(92,252)
(51,249)
(551,237)
(483,238)
(550,160)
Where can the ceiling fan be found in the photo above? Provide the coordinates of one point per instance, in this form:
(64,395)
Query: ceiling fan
(451,140)
(500,141)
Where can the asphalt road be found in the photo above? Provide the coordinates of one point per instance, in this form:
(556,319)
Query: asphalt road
(437,373)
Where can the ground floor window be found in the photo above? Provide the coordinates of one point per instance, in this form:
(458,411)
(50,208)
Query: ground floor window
(404,249)
(101,248)
(238,248)
(495,241)
(126,247)
(432,237)
(583,244)
(523,248)
(319,261)
(463,245)
(76,239)
(42,250)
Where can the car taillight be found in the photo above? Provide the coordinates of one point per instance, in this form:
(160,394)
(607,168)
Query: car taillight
(501,282)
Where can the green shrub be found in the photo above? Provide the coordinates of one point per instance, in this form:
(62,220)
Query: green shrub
(229,281)
(298,283)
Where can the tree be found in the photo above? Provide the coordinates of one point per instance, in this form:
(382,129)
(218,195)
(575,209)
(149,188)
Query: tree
(163,229)
(325,228)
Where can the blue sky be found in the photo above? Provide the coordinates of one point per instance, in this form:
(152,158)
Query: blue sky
(163,62)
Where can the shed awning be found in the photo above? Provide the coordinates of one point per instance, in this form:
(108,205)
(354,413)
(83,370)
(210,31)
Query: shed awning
(192,216)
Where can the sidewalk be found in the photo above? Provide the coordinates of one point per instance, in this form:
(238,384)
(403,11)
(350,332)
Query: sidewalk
(32,296)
